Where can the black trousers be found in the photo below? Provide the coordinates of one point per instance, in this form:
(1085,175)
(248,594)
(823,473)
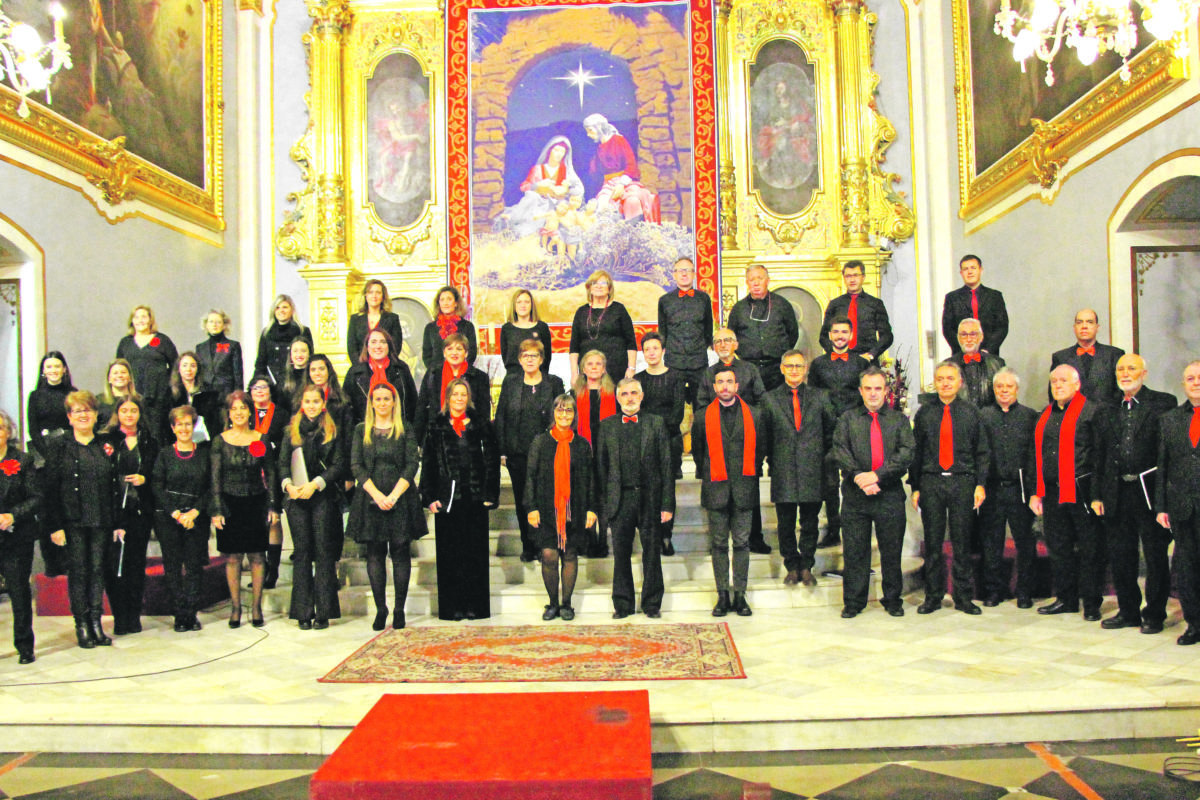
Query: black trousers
(16,565)
(631,517)
(461,539)
(948,499)
(317,537)
(1187,566)
(832,495)
(86,548)
(692,380)
(1132,523)
(1076,550)
(184,554)
(517,466)
(886,513)
(125,591)
(802,556)
(768,369)
(1006,506)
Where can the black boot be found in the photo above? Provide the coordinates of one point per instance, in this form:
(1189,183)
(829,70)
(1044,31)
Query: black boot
(97,632)
(740,605)
(83,634)
(271,577)
(722,606)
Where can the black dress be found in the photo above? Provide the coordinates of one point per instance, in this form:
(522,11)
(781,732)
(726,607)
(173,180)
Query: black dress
(663,397)
(151,373)
(511,338)
(47,415)
(244,490)
(609,330)
(221,362)
(384,462)
(431,344)
(523,413)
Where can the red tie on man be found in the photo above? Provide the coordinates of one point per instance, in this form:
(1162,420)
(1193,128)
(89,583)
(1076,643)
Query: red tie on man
(876,442)
(629,418)
(974,304)
(839,356)
(969,358)
(946,441)
(1085,351)
(852,313)
(687,292)
(796,408)
(1194,428)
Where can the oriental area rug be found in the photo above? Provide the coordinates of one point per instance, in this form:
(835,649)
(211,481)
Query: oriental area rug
(451,654)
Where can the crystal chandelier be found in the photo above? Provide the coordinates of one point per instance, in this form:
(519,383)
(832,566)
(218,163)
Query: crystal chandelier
(22,54)
(1092,27)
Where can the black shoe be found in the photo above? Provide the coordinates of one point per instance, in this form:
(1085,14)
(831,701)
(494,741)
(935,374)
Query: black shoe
(256,618)
(1059,607)
(1190,636)
(622,614)
(1121,621)
(896,610)
(83,635)
(182,625)
(1151,627)
(98,635)
(760,547)
(25,656)
(380,622)
(527,556)
(668,548)
(566,613)
(235,617)
(792,578)
(133,625)
(930,605)
(550,613)
(849,613)
(830,539)
(655,614)
(992,601)
(1091,614)
(398,620)
(119,628)
(270,576)
(305,625)
(967,607)
(194,623)
(740,605)
(1024,602)
(722,606)
(320,624)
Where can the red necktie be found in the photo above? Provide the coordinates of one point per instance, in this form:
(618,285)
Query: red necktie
(974,304)
(852,313)
(972,358)
(946,440)
(796,408)
(1085,351)
(876,442)
(1194,428)
(687,292)
(839,356)
(629,419)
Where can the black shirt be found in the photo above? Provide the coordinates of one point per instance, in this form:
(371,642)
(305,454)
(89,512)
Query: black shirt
(609,330)
(971,452)
(874,328)
(686,323)
(840,378)
(511,338)
(1010,436)
(766,328)
(663,397)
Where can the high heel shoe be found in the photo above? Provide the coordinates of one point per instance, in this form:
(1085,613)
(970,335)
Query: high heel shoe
(256,617)
(98,635)
(398,620)
(380,622)
(83,635)
(235,617)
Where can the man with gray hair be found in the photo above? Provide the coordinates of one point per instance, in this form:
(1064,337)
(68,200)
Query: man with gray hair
(765,324)
(977,367)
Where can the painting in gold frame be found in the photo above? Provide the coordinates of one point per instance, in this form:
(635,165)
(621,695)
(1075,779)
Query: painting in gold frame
(138,114)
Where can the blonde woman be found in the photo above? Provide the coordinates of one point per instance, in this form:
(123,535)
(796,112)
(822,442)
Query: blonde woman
(275,342)
(150,354)
(220,357)
(523,324)
(603,324)
(118,387)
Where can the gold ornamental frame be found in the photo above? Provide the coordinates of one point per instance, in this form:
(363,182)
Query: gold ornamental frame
(119,175)
(1041,157)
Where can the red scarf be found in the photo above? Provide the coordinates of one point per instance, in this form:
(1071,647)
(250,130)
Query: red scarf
(379,369)
(449,373)
(562,482)
(716,446)
(264,424)
(1066,449)
(458,423)
(448,324)
(608,407)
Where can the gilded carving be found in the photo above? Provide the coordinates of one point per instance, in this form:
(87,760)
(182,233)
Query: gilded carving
(1045,166)
(118,170)
(331,218)
(401,246)
(329,15)
(728,206)
(328,319)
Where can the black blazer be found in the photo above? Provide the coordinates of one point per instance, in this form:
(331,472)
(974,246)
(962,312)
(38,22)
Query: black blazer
(328,461)
(1089,453)
(221,362)
(1143,438)
(274,346)
(508,412)
(656,476)
(1178,490)
(357,386)
(440,469)
(20,495)
(431,344)
(977,378)
(356,334)
(797,458)
(852,454)
(972,447)
(429,399)
(749,379)
(993,317)
(60,484)
(539,483)
(874,328)
(744,488)
(1097,374)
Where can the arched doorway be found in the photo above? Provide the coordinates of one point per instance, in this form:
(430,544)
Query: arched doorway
(22,318)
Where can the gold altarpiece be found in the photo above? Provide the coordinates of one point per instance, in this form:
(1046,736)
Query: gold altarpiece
(844,208)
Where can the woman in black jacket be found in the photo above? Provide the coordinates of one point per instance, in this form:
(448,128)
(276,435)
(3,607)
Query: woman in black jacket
(20,501)
(431,400)
(312,461)
(188,382)
(220,357)
(271,421)
(449,317)
(374,313)
(274,344)
(47,417)
(181,479)
(150,354)
(460,483)
(379,361)
(295,376)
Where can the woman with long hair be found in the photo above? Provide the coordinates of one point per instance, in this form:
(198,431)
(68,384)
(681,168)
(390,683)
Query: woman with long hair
(460,483)
(522,325)
(188,388)
(295,375)
(275,342)
(454,365)
(312,460)
(379,361)
(603,324)
(449,317)
(220,357)
(119,386)
(20,502)
(270,420)
(245,502)
(374,314)
(182,480)
(595,400)
(150,354)
(386,514)
(47,418)
(125,567)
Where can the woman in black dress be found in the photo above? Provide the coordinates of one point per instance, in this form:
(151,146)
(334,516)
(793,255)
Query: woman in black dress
(125,566)
(449,316)
(118,387)
(275,342)
(460,483)
(20,501)
(522,413)
(386,513)
(83,509)
(150,355)
(220,357)
(245,502)
(523,324)
(270,420)
(379,361)
(374,313)
(431,400)
(561,501)
(603,324)
(312,460)
(47,417)
(181,479)
(188,381)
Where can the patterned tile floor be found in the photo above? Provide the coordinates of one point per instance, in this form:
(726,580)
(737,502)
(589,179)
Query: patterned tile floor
(1106,770)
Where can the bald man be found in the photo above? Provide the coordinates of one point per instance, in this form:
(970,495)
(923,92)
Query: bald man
(1067,450)
(1127,494)
(1096,363)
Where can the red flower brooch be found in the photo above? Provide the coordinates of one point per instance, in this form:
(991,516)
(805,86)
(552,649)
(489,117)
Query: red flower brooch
(258,449)
(108,449)
(10,466)
(155,342)
(223,347)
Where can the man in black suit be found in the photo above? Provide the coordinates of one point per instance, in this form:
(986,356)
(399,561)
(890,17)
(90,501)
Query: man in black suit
(870,329)
(949,471)
(797,425)
(873,448)
(973,300)
(978,368)
(1127,498)
(726,440)
(633,459)
(1177,496)
(765,324)
(1096,363)
(1068,448)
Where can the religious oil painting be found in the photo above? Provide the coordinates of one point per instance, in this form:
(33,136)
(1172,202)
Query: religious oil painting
(398,140)
(783,128)
(587,148)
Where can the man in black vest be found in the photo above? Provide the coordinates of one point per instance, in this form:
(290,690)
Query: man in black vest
(973,300)
(870,329)
(978,368)
(1127,494)
(685,320)
(1177,496)
(725,438)
(1095,363)
(633,459)
(797,424)
(765,324)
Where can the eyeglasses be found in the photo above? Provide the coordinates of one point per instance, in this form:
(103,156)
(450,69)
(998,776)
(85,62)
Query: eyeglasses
(81,412)
(529,355)
(794,366)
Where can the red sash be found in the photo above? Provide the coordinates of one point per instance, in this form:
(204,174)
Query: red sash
(1066,449)
(562,483)
(716,445)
